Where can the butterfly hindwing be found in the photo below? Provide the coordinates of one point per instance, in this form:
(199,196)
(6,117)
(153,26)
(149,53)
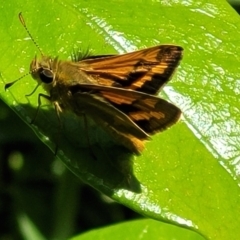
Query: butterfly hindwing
(150,113)
(110,118)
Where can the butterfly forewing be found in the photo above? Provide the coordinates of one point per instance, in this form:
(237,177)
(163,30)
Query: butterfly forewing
(145,70)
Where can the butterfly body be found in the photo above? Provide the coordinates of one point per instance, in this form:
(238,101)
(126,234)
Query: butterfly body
(116,91)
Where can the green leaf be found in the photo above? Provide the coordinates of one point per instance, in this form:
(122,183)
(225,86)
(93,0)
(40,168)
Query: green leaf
(140,229)
(187,175)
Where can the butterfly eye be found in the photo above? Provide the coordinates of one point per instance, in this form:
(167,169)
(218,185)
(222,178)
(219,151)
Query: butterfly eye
(46,76)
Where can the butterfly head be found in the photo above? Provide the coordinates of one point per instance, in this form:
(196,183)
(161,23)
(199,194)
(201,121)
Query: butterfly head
(43,71)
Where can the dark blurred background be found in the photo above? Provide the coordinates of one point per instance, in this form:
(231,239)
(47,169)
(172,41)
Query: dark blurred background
(235,4)
(37,187)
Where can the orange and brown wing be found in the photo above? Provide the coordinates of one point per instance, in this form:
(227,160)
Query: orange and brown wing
(145,70)
(111,119)
(149,113)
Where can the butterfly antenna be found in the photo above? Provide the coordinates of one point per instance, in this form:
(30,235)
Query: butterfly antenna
(8,85)
(29,34)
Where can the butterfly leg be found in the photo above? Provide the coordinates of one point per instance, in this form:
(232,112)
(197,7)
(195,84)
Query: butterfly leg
(39,105)
(58,110)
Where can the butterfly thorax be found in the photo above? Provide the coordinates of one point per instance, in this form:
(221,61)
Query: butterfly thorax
(57,77)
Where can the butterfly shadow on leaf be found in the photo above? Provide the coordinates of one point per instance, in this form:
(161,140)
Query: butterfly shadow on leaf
(91,154)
